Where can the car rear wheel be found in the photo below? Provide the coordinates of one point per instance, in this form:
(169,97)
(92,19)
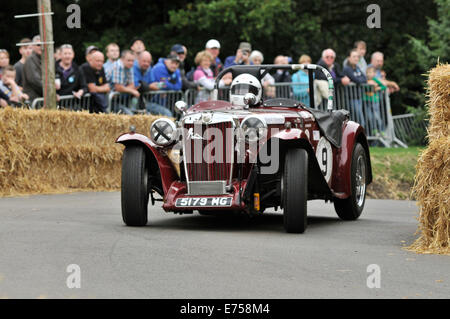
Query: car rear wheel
(351,207)
(134,194)
(295,191)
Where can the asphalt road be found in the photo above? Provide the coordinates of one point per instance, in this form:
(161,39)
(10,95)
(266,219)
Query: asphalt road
(193,256)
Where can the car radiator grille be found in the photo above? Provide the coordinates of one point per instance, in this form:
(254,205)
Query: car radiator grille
(217,166)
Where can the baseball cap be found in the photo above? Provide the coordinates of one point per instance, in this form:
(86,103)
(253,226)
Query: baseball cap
(173,57)
(213,43)
(245,46)
(178,48)
(91,48)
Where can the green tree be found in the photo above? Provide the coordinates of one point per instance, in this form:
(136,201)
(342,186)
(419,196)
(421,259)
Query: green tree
(437,48)
(291,27)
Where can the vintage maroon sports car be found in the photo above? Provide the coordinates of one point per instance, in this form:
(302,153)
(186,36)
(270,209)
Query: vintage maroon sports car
(248,154)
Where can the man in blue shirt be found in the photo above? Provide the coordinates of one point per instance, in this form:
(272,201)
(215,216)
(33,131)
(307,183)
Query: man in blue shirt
(144,81)
(168,76)
(143,71)
(167,72)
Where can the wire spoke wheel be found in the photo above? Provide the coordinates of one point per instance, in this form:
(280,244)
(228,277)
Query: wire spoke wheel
(351,208)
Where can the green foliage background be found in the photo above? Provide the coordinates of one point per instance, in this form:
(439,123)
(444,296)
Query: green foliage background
(411,36)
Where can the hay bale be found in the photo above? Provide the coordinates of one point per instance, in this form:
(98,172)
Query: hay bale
(432,180)
(56,151)
(438,95)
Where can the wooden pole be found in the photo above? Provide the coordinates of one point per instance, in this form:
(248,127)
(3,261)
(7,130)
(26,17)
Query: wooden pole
(47,57)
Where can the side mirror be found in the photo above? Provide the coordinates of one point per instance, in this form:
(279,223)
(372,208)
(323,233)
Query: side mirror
(181,107)
(249,99)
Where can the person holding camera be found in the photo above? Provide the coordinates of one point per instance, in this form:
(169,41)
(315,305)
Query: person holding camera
(242,56)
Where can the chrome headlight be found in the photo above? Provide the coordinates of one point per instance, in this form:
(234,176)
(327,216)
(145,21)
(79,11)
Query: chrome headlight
(254,128)
(163,131)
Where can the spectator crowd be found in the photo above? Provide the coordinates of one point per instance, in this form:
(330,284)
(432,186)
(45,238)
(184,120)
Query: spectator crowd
(132,73)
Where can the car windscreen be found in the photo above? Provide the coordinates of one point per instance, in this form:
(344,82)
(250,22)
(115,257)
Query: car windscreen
(242,89)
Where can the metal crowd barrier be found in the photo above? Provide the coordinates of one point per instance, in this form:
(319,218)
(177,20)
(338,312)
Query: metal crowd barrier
(368,107)
(194,96)
(124,103)
(407,127)
(66,102)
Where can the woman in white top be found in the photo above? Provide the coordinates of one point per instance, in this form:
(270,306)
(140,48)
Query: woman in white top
(268,81)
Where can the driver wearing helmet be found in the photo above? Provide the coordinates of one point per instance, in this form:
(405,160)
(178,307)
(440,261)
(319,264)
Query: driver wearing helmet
(245,90)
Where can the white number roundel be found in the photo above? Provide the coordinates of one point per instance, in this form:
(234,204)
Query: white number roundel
(324,155)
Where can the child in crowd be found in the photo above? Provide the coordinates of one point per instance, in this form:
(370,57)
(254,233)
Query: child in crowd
(372,98)
(9,87)
(373,80)
(4,61)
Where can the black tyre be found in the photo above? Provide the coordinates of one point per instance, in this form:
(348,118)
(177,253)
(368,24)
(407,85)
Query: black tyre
(352,207)
(295,190)
(134,193)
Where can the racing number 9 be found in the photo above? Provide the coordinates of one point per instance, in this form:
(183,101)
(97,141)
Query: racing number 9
(324,161)
(324,156)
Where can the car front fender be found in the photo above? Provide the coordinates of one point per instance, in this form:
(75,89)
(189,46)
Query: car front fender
(167,173)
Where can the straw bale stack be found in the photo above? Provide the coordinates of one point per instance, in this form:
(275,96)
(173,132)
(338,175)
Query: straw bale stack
(57,151)
(432,181)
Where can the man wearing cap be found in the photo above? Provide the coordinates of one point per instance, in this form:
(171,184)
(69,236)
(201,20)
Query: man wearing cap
(168,76)
(167,72)
(181,52)
(213,47)
(89,51)
(242,56)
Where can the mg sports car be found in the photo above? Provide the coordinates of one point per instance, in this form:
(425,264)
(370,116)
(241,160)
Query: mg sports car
(248,154)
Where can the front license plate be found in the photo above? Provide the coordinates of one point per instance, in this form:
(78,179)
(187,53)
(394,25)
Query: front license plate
(203,202)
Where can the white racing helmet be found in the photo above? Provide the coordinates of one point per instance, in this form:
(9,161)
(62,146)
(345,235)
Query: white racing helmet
(242,85)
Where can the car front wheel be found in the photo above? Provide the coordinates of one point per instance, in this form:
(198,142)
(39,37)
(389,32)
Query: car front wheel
(351,207)
(295,190)
(134,193)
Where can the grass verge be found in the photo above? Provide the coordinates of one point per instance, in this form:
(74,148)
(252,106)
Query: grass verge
(393,172)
